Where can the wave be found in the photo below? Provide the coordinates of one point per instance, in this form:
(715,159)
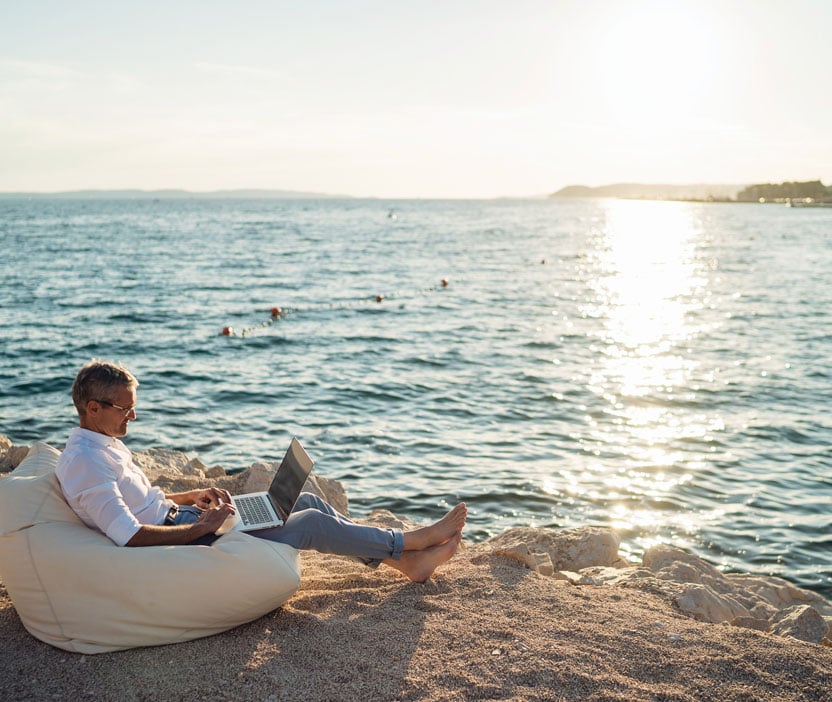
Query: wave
(500,388)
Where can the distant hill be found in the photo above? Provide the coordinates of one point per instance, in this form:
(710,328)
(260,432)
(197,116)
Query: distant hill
(172,195)
(641,191)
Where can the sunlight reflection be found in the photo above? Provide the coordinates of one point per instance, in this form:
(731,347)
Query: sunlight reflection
(647,276)
(647,287)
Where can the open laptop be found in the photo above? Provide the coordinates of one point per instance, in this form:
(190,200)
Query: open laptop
(261,510)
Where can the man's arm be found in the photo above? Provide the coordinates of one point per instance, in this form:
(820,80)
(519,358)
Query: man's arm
(209,522)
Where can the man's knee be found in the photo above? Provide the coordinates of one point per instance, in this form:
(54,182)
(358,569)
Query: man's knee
(305,526)
(306,500)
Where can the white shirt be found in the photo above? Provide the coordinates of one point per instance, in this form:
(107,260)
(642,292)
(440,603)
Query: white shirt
(105,489)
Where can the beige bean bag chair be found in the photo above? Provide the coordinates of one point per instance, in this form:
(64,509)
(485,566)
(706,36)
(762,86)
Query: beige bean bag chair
(75,589)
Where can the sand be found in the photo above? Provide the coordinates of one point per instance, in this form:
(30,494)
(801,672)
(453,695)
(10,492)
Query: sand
(528,615)
(484,628)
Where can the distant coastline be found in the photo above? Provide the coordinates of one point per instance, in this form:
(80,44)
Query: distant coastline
(796,194)
(173,194)
(655,191)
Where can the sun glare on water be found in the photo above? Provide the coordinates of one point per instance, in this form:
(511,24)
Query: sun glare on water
(648,284)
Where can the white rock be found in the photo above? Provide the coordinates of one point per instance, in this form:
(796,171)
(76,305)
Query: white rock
(756,602)
(764,610)
(567,549)
(801,622)
(701,602)
(215,472)
(779,593)
(257,477)
(669,563)
(570,576)
(157,462)
(385,518)
(538,561)
(610,575)
(194,467)
(11,457)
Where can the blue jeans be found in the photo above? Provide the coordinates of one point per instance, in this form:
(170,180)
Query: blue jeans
(316,525)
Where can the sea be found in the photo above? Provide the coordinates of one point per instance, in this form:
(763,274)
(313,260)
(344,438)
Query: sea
(661,368)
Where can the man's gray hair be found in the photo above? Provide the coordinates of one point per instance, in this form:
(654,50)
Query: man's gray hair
(99,380)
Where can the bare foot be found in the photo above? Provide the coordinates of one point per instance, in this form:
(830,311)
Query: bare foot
(438,532)
(419,565)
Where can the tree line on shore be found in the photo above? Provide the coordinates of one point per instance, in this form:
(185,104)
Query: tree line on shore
(768,192)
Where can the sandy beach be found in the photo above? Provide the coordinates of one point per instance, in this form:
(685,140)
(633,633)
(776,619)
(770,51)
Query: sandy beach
(519,617)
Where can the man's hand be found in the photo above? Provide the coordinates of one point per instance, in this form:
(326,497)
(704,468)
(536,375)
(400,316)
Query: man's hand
(212,497)
(214,517)
(204,499)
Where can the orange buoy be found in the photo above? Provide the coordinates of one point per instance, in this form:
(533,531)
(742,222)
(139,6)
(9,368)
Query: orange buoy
(379,298)
(276,311)
(444,282)
(227,331)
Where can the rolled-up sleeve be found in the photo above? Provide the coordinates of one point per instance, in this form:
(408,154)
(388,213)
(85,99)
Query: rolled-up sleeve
(90,484)
(108,510)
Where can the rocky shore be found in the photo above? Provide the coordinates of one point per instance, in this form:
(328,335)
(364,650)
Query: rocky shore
(531,614)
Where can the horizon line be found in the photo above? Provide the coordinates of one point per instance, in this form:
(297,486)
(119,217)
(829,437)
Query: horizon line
(288,194)
(265,193)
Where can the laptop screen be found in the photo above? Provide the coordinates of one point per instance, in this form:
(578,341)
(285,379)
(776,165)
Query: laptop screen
(290,478)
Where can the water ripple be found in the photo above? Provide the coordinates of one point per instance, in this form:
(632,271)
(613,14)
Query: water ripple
(586,364)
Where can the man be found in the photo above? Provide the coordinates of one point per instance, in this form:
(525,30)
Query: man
(111,494)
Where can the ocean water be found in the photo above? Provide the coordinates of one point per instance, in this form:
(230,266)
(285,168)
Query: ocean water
(661,368)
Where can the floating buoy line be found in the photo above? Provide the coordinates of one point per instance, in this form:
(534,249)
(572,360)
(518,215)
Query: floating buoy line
(278,313)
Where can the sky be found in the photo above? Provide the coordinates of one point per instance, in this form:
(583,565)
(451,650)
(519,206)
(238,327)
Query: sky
(452,99)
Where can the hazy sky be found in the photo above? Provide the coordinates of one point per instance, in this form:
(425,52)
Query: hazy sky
(412,99)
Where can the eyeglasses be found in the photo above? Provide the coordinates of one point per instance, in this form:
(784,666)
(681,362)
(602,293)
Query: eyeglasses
(126,410)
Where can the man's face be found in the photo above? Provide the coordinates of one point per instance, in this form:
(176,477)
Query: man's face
(106,418)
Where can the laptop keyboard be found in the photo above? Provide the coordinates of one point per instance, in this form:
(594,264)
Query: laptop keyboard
(253,510)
